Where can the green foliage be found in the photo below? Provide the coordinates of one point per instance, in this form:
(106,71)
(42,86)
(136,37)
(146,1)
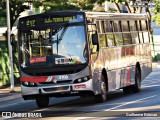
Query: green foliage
(156,12)
(58,5)
(4,64)
(112,10)
(16,7)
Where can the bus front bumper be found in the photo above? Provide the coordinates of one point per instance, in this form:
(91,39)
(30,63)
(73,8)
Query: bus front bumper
(55,89)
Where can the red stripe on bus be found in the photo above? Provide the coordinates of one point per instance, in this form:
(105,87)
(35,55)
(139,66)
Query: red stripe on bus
(34,79)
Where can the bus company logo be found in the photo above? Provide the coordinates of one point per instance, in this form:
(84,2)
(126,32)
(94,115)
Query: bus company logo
(64,60)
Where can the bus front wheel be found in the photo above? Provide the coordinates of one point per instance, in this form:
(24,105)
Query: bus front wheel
(102,96)
(42,101)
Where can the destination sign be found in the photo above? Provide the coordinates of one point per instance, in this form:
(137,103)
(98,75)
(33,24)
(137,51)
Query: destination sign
(47,20)
(50,20)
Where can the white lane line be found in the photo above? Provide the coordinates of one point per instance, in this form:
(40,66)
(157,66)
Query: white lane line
(130,103)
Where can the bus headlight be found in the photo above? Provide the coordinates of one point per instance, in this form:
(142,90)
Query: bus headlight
(81,80)
(29,84)
(26,83)
(32,84)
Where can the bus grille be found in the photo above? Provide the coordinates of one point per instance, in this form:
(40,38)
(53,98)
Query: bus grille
(56,89)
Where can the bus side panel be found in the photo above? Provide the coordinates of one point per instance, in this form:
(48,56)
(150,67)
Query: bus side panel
(132,75)
(133,59)
(107,59)
(146,61)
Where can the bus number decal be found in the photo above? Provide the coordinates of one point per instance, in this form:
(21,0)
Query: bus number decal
(63,77)
(30,23)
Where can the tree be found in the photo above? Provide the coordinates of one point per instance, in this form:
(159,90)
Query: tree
(156,12)
(55,5)
(58,5)
(16,7)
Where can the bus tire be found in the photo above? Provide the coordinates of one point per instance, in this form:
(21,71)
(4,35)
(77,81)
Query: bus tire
(127,89)
(42,101)
(102,96)
(137,85)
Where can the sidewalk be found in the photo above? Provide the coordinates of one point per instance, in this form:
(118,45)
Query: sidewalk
(6,94)
(156,65)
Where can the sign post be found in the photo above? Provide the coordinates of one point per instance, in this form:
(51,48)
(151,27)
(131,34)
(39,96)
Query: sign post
(10,47)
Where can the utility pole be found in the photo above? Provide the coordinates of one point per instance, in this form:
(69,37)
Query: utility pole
(10,47)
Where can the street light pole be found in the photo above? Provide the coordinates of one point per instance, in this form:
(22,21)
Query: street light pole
(10,47)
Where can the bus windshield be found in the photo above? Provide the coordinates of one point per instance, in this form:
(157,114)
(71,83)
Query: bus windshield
(63,45)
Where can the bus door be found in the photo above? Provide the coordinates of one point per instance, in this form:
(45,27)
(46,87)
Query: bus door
(93,48)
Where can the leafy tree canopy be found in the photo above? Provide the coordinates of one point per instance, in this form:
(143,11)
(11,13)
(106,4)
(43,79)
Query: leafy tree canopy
(156,12)
(16,7)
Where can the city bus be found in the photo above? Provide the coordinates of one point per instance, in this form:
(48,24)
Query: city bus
(75,53)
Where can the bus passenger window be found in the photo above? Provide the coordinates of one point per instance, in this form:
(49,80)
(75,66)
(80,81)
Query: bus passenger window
(140,31)
(110,40)
(102,40)
(145,32)
(126,32)
(118,33)
(135,39)
(141,37)
(100,25)
(108,26)
(143,24)
(146,36)
(132,25)
(134,33)
(118,38)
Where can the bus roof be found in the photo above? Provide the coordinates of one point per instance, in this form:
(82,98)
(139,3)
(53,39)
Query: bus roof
(104,13)
(121,16)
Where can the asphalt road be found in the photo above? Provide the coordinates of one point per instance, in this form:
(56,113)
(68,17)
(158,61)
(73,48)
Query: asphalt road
(143,105)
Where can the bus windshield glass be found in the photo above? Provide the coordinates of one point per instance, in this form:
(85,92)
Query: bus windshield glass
(59,44)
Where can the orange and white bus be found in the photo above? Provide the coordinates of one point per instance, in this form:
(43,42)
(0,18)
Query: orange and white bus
(82,53)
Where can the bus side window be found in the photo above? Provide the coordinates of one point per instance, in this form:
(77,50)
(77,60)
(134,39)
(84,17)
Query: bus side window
(140,31)
(134,33)
(145,31)
(102,40)
(109,33)
(101,34)
(118,33)
(126,32)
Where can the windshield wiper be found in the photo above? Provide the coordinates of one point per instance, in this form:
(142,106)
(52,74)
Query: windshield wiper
(57,43)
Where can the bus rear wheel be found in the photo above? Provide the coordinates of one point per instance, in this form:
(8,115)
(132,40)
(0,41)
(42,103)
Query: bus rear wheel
(102,96)
(137,85)
(42,101)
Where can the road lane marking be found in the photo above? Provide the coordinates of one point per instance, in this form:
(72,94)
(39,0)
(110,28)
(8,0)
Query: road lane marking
(130,103)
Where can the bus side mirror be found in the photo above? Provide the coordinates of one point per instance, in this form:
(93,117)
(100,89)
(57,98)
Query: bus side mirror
(13,41)
(95,39)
